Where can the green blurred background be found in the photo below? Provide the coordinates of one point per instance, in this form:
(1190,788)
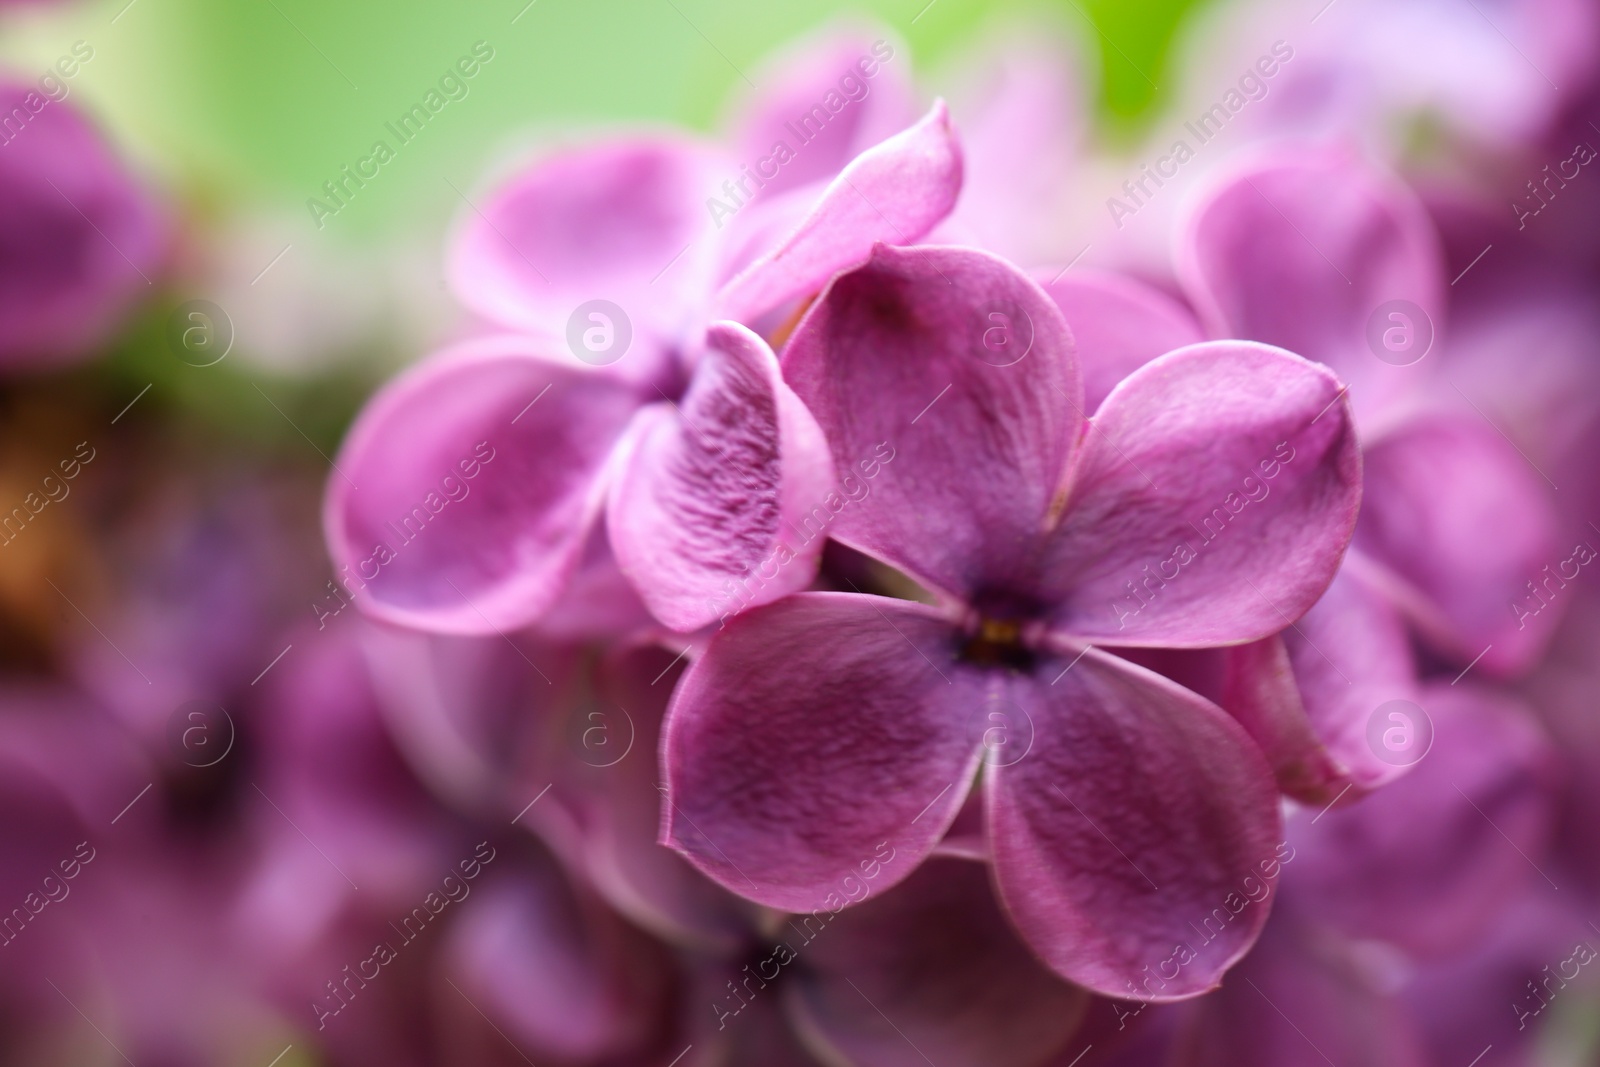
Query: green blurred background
(239,110)
(267,98)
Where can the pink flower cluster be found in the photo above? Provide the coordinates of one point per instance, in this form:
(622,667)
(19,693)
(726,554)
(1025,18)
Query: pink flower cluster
(1182,566)
(894,607)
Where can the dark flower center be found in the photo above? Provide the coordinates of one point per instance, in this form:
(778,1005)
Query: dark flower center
(997,643)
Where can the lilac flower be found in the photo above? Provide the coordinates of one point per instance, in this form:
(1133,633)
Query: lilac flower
(814,728)
(493,727)
(1381,904)
(935,953)
(1118,325)
(359,882)
(1496,77)
(1317,252)
(110,914)
(1024,122)
(81,240)
(536,959)
(858,73)
(697,453)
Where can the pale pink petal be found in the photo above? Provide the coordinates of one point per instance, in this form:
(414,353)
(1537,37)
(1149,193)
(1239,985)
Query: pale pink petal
(948,386)
(816,738)
(1217,490)
(1134,832)
(1307,695)
(894,192)
(705,510)
(1313,251)
(825,100)
(623,220)
(1120,324)
(1465,530)
(463,495)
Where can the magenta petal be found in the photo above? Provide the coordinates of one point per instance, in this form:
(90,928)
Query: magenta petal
(1259,691)
(597,222)
(825,100)
(1021,101)
(760,1032)
(471,714)
(549,967)
(1448,497)
(1120,324)
(815,736)
(1431,861)
(461,498)
(1307,694)
(947,384)
(1301,999)
(83,240)
(490,725)
(936,956)
(1217,490)
(1302,250)
(1134,832)
(705,510)
(894,192)
(606,815)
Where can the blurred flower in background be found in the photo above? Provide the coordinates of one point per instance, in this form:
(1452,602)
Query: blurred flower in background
(1054,534)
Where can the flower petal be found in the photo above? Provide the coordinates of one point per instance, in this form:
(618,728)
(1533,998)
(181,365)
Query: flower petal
(1130,839)
(602,221)
(1306,694)
(606,788)
(935,955)
(1302,251)
(1448,497)
(1120,324)
(895,192)
(819,101)
(83,239)
(1216,493)
(1431,861)
(471,714)
(463,494)
(492,725)
(711,491)
(1301,999)
(537,959)
(949,380)
(817,735)
(1021,97)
